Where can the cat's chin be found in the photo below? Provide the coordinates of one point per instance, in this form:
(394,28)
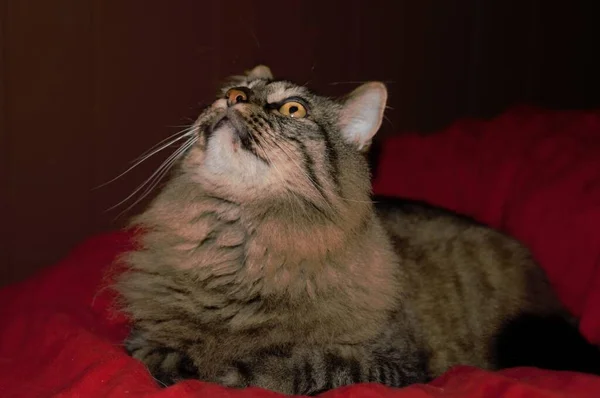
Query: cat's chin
(226,135)
(226,162)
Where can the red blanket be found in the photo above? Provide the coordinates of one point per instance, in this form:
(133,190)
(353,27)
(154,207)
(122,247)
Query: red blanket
(534,174)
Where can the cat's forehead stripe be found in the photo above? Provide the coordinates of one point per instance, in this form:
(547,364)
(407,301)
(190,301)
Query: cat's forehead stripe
(254,83)
(280,90)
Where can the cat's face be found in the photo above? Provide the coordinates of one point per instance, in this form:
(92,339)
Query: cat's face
(264,138)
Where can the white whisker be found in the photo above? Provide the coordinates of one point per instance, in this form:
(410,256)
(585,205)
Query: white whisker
(151,152)
(335,194)
(388,120)
(359,82)
(288,194)
(165,170)
(158,174)
(188,130)
(314,184)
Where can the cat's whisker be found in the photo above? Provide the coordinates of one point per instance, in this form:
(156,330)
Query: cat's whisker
(360,82)
(159,382)
(140,161)
(182,126)
(139,188)
(183,134)
(188,130)
(288,194)
(355,200)
(306,175)
(257,143)
(166,167)
(388,120)
(148,190)
(337,196)
(255,38)
(164,147)
(157,174)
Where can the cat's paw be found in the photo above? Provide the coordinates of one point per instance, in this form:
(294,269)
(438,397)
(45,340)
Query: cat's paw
(238,375)
(166,365)
(270,373)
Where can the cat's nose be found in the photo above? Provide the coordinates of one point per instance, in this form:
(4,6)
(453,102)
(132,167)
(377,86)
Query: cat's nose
(237,95)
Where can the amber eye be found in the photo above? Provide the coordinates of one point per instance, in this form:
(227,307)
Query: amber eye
(235,96)
(293,109)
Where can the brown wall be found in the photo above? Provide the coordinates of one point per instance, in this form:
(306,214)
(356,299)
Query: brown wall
(87,85)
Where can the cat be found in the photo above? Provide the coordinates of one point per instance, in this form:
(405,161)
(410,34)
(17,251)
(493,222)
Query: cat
(265,261)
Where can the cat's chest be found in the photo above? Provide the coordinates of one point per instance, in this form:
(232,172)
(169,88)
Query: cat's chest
(243,280)
(310,321)
(235,259)
(247,310)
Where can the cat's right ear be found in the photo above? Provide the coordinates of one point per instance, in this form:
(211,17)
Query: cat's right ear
(362,114)
(260,72)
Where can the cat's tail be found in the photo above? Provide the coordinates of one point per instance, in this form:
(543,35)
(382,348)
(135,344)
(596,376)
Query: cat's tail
(547,342)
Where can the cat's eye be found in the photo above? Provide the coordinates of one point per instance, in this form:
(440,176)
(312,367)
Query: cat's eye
(293,109)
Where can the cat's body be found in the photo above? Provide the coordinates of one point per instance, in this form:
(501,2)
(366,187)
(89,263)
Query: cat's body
(264,261)
(464,280)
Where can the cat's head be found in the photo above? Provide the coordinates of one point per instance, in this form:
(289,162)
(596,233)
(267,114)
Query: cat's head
(268,139)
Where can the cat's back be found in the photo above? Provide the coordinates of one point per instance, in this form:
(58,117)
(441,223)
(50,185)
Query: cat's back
(464,279)
(419,229)
(419,220)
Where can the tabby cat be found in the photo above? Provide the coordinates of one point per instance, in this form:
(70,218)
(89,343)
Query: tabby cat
(264,261)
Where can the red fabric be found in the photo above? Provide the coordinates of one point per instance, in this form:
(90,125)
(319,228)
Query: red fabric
(534,174)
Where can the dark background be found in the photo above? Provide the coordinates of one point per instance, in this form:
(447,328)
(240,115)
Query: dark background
(88,85)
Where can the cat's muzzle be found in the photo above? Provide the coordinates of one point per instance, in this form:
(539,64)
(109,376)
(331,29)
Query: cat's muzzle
(232,119)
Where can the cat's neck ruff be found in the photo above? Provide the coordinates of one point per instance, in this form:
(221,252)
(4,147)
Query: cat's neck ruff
(268,251)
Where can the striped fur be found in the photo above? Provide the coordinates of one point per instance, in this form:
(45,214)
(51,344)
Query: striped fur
(265,262)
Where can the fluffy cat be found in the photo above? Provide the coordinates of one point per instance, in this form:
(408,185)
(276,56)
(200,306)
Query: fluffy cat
(264,261)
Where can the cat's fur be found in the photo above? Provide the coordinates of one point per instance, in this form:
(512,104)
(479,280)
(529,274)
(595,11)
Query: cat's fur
(264,261)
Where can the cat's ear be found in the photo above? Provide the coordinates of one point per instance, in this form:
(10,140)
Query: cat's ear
(260,72)
(362,113)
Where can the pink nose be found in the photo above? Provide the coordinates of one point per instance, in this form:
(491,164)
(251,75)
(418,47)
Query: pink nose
(235,96)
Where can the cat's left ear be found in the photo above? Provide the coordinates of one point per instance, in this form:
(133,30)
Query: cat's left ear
(362,114)
(260,72)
